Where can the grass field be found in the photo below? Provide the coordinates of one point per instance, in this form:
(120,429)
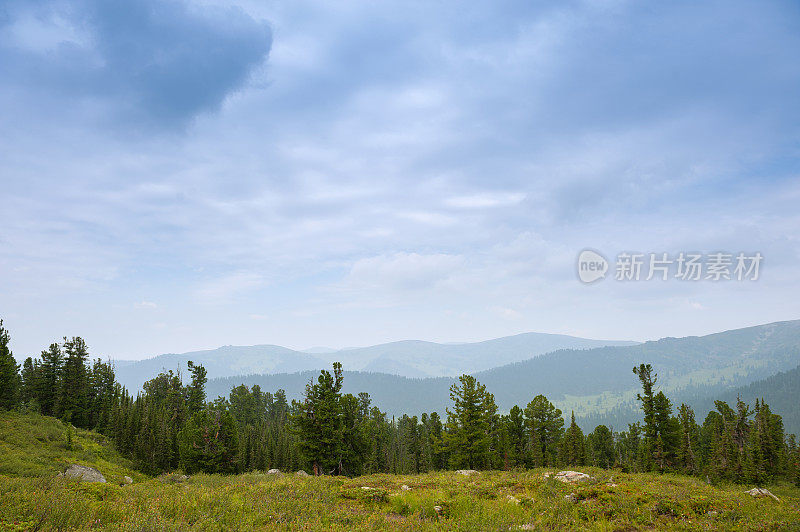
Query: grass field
(31,498)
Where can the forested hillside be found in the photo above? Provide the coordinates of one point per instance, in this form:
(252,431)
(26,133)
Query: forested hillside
(595,383)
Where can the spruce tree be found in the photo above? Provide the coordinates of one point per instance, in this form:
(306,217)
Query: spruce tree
(600,447)
(49,383)
(689,437)
(319,424)
(667,429)
(196,392)
(9,373)
(648,380)
(74,401)
(573,445)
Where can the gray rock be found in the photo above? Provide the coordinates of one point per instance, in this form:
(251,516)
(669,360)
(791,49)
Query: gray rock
(511,499)
(84,474)
(405,487)
(467,472)
(127,480)
(761,492)
(570,477)
(301,473)
(274,472)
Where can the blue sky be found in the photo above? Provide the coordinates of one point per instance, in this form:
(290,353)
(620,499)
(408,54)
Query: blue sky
(186,175)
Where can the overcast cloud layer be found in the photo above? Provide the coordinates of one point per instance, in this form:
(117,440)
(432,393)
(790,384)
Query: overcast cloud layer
(180,175)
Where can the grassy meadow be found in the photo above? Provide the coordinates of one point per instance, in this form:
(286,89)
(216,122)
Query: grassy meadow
(33,450)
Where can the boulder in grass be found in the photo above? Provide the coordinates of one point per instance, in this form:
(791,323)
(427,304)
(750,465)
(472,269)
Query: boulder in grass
(571,477)
(761,492)
(301,473)
(467,472)
(84,473)
(127,480)
(274,472)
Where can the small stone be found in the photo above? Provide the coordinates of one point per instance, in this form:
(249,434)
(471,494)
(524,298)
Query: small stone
(438,510)
(571,477)
(571,497)
(274,472)
(84,474)
(301,473)
(366,488)
(405,487)
(761,492)
(127,480)
(467,472)
(512,499)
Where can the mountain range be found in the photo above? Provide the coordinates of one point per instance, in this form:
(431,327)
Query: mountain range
(410,358)
(597,384)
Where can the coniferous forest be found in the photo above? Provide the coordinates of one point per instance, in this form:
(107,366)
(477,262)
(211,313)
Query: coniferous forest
(171,425)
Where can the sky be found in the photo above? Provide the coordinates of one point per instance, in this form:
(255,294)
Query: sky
(184,175)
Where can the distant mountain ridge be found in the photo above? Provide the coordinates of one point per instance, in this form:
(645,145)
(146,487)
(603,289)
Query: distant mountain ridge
(408,358)
(597,384)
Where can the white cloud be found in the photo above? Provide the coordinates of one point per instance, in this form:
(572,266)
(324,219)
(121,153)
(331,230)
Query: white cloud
(402,271)
(226,288)
(485,200)
(145,305)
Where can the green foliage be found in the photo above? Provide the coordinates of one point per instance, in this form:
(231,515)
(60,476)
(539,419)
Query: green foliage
(196,393)
(264,502)
(9,376)
(600,447)
(573,445)
(32,445)
(468,437)
(209,442)
(545,426)
(319,423)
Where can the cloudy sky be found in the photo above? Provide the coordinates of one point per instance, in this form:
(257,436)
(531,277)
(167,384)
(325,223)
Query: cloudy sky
(182,175)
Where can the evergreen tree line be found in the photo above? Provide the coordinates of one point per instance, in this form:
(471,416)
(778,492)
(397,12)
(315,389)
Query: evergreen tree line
(170,425)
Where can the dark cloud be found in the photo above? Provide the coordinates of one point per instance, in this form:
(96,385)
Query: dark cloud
(153,62)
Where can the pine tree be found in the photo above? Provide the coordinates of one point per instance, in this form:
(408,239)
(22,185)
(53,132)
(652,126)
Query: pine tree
(74,401)
(319,424)
(515,432)
(209,442)
(600,447)
(9,373)
(648,380)
(469,424)
(545,426)
(573,445)
(689,434)
(49,383)
(196,392)
(667,429)
(29,377)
